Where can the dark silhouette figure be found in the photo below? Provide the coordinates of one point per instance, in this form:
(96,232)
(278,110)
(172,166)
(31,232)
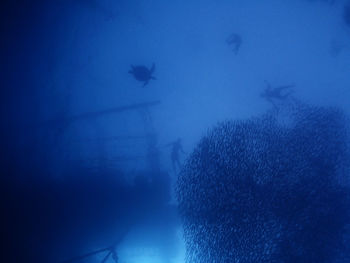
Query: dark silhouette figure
(142,73)
(175,153)
(234,40)
(276,94)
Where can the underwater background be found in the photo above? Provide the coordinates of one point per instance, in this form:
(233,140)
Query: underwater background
(157,131)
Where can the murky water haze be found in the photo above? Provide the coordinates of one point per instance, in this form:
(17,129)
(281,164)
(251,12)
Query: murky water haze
(90,150)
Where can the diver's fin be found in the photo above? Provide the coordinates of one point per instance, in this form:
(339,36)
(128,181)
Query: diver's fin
(286,86)
(146,82)
(154,78)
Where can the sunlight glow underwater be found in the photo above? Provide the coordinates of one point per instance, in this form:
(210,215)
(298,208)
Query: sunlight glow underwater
(143,255)
(131,252)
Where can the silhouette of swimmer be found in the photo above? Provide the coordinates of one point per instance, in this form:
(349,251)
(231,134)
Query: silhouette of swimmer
(234,40)
(277,93)
(142,73)
(175,153)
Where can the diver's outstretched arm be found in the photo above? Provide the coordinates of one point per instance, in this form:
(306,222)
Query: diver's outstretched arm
(286,87)
(287,95)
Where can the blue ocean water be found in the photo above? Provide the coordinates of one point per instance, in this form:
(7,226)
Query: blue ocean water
(175,131)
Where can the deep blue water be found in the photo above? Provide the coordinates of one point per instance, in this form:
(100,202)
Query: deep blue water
(105,103)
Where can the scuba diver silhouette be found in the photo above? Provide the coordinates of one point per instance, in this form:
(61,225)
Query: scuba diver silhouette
(235,40)
(271,94)
(175,153)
